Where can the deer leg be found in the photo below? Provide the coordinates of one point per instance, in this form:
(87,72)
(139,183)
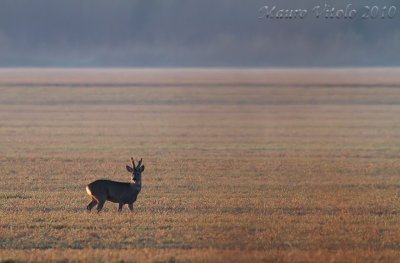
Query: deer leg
(91,205)
(100,205)
(120,207)
(130,207)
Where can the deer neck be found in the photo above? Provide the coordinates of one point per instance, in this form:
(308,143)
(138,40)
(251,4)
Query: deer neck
(136,184)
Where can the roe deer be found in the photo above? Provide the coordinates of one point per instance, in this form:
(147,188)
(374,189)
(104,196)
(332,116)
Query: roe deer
(117,192)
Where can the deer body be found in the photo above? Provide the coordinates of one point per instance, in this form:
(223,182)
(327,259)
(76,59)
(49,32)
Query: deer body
(116,192)
(113,191)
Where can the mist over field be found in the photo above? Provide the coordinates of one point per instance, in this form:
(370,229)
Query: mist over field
(177,33)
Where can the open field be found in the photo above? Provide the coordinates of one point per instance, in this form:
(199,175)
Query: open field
(241,165)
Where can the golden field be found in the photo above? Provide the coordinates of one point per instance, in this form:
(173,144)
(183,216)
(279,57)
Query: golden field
(241,165)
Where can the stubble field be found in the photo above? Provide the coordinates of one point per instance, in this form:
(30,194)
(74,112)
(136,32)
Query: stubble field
(241,165)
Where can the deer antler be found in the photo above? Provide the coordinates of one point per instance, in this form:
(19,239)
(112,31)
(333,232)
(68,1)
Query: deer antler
(140,162)
(133,162)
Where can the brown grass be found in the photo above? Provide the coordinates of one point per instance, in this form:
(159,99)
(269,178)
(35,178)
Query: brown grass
(241,165)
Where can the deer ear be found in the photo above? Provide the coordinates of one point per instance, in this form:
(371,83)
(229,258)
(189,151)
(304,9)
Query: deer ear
(129,169)
(142,168)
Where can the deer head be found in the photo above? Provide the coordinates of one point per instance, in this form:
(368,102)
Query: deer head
(136,171)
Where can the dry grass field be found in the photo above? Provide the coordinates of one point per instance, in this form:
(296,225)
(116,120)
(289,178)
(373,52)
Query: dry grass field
(241,165)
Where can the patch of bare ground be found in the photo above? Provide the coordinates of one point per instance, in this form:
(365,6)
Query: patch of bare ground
(241,165)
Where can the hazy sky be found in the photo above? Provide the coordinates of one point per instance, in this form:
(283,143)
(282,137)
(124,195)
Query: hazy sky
(177,33)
